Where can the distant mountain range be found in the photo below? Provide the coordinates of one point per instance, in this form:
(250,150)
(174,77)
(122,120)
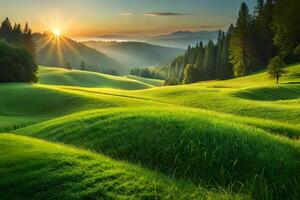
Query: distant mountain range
(52,51)
(183,39)
(180,39)
(136,54)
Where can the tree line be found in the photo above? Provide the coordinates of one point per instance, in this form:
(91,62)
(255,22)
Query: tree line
(17,63)
(269,35)
(149,72)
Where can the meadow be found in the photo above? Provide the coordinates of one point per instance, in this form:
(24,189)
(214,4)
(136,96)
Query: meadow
(87,135)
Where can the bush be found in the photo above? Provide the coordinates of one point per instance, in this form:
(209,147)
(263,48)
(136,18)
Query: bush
(16,64)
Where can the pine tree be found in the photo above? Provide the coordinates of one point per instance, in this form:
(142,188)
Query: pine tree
(209,62)
(27,38)
(241,51)
(286,26)
(17,35)
(190,74)
(83,65)
(262,32)
(6,30)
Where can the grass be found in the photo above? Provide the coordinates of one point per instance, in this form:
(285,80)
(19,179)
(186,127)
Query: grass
(190,145)
(60,76)
(240,136)
(154,82)
(35,169)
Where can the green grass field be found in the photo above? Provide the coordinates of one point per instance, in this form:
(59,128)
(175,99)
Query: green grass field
(60,76)
(83,135)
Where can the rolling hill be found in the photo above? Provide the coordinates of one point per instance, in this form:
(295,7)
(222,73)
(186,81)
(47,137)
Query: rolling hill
(60,76)
(136,54)
(209,140)
(81,175)
(57,51)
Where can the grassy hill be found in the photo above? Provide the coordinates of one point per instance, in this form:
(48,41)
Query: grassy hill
(237,138)
(59,76)
(154,82)
(48,171)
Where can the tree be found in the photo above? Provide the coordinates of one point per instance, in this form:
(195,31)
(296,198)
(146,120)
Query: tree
(17,35)
(16,64)
(241,50)
(83,65)
(275,68)
(297,51)
(262,32)
(190,74)
(68,66)
(27,39)
(286,25)
(209,62)
(171,81)
(6,30)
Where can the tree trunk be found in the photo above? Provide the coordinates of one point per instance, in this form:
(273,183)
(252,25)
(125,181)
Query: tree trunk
(277,79)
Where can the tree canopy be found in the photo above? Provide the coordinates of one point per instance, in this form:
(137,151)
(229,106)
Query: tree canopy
(17,63)
(276,68)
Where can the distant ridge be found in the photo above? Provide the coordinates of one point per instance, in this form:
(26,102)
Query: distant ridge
(191,34)
(182,39)
(136,54)
(56,52)
(178,39)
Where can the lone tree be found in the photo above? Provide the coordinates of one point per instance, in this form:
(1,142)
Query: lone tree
(83,65)
(68,66)
(275,68)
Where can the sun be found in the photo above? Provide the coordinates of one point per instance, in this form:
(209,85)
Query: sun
(57,32)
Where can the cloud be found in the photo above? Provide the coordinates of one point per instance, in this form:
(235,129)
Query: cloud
(157,14)
(126,14)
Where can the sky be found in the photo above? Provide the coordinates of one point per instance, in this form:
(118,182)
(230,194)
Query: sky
(78,18)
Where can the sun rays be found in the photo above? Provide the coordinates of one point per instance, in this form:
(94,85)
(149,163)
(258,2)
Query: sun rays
(57,32)
(57,46)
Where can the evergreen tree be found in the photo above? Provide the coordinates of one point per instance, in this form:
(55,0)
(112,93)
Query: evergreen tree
(241,51)
(27,38)
(17,34)
(83,65)
(286,26)
(225,69)
(6,30)
(68,66)
(190,74)
(209,62)
(262,32)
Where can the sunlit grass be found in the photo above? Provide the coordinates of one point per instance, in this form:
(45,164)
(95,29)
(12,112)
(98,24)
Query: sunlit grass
(34,169)
(59,76)
(241,134)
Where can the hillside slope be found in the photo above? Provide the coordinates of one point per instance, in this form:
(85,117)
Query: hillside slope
(57,51)
(183,143)
(60,76)
(136,54)
(240,135)
(154,82)
(34,169)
